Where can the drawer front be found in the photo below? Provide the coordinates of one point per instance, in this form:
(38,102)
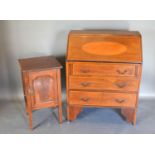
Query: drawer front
(102,99)
(104,83)
(103,69)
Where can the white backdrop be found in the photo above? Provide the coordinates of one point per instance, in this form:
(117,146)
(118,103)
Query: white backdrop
(21,39)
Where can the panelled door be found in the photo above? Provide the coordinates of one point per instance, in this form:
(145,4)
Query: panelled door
(43,88)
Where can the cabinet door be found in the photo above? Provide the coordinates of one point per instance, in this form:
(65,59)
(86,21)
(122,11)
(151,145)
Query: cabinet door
(43,88)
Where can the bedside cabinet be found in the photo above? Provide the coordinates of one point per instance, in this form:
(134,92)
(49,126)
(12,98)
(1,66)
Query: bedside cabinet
(103,69)
(41,84)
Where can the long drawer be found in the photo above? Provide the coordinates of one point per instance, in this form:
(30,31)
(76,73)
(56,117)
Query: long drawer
(104,83)
(104,99)
(104,69)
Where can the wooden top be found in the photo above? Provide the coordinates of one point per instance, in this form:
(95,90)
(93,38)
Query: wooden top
(39,63)
(104,32)
(105,45)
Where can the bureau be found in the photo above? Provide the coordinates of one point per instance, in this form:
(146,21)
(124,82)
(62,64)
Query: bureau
(41,84)
(103,69)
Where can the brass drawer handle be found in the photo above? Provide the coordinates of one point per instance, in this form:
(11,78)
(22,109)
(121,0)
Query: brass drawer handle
(84,70)
(121,84)
(122,72)
(85,84)
(85,99)
(120,100)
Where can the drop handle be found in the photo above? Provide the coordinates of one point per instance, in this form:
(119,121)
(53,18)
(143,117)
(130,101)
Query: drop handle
(85,84)
(84,70)
(122,72)
(85,99)
(121,84)
(120,100)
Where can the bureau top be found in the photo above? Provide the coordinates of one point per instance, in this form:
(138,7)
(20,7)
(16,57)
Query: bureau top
(39,63)
(104,32)
(105,46)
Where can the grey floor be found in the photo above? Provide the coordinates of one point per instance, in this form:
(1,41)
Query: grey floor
(92,120)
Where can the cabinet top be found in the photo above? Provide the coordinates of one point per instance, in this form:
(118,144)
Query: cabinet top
(104,45)
(39,63)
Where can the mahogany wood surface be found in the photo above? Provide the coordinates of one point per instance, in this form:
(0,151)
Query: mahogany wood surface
(105,83)
(100,99)
(41,84)
(103,69)
(105,46)
(39,63)
(108,69)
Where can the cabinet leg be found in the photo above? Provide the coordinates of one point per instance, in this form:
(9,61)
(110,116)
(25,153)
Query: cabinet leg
(60,113)
(73,112)
(30,119)
(26,107)
(129,114)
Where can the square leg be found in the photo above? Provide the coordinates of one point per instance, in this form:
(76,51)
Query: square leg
(129,114)
(30,119)
(73,112)
(60,113)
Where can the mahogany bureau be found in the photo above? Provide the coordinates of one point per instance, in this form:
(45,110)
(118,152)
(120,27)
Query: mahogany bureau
(41,84)
(103,69)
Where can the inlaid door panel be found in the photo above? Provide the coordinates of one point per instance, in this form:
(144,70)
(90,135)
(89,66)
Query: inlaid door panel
(43,88)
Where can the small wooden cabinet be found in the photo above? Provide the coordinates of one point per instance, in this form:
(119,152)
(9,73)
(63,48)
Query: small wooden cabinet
(41,84)
(103,69)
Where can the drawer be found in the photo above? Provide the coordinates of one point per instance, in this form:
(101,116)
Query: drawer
(103,83)
(103,69)
(102,99)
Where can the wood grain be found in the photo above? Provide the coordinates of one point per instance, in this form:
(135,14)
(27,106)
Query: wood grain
(39,63)
(105,83)
(103,69)
(102,99)
(41,84)
(105,48)
(130,40)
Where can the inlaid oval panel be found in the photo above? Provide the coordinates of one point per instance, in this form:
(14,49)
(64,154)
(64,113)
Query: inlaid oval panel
(105,48)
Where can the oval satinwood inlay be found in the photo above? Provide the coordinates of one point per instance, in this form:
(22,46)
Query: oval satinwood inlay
(105,48)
